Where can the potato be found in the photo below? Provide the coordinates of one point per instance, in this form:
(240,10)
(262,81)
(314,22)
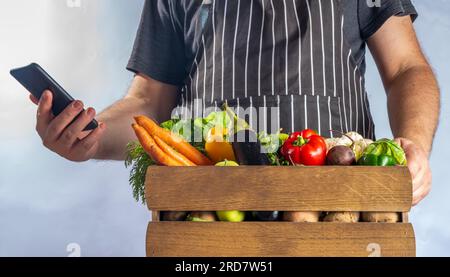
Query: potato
(301,216)
(385,217)
(342,217)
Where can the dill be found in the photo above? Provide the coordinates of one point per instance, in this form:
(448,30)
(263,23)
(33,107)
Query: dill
(139,161)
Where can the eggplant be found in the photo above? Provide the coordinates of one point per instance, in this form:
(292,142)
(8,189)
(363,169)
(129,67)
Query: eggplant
(266,216)
(248,150)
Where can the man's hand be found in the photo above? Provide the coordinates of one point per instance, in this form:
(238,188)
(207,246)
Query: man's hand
(62,136)
(419,167)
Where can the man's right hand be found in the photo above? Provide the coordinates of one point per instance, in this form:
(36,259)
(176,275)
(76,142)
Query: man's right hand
(62,136)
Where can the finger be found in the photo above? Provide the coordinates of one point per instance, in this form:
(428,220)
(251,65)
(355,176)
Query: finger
(417,195)
(59,123)
(84,134)
(73,131)
(405,144)
(71,134)
(44,112)
(399,141)
(403,141)
(90,141)
(418,180)
(420,194)
(414,158)
(34,99)
(414,165)
(423,190)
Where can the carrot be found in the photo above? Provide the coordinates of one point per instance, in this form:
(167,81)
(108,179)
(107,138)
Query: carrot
(150,146)
(172,153)
(173,140)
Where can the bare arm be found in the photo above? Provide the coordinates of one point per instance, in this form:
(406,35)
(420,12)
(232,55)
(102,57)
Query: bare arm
(411,87)
(413,96)
(145,96)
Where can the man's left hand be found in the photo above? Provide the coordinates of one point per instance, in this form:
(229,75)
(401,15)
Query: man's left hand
(419,167)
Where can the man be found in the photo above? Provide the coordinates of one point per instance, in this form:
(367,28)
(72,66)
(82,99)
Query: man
(305,58)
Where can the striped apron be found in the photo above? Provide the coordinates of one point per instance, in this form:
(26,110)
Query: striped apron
(288,60)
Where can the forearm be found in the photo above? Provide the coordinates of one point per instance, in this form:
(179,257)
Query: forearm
(118,134)
(414,105)
(145,97)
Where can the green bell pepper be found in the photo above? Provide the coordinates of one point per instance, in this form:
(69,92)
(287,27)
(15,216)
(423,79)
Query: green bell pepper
(383,152)
(377,160)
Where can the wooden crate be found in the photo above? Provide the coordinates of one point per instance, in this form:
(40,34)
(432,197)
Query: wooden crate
(262,188)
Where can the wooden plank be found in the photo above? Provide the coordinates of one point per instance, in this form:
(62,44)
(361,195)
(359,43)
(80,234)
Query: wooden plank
(326,188)
(155,216)
(279,239)
(405,217)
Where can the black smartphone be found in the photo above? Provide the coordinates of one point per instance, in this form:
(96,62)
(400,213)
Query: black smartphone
(36,80)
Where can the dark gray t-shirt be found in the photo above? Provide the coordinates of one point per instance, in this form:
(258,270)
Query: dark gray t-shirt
(168,35)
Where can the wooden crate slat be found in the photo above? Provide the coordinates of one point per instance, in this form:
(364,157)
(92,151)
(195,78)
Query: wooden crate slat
(323,188)
(155,216)
(279,239)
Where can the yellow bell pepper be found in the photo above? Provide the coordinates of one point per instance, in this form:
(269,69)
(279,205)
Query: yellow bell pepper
(216,147)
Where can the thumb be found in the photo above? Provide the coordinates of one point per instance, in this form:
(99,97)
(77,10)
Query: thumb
(403,142)
(399,141)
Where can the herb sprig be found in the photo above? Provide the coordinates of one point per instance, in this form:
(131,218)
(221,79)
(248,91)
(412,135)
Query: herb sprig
(139,162)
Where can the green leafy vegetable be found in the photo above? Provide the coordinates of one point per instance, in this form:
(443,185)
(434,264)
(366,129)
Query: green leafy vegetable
(272,144)
(389,148)
(169,124)
(190,130)
(139,161)
(239,124)
(195,131)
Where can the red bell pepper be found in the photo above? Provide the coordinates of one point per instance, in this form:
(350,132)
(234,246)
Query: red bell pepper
(305,148)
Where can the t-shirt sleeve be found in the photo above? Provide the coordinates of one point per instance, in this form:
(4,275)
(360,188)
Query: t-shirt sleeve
(158,50)
(372,14)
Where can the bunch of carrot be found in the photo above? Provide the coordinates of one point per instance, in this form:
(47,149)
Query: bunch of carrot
(165,147)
